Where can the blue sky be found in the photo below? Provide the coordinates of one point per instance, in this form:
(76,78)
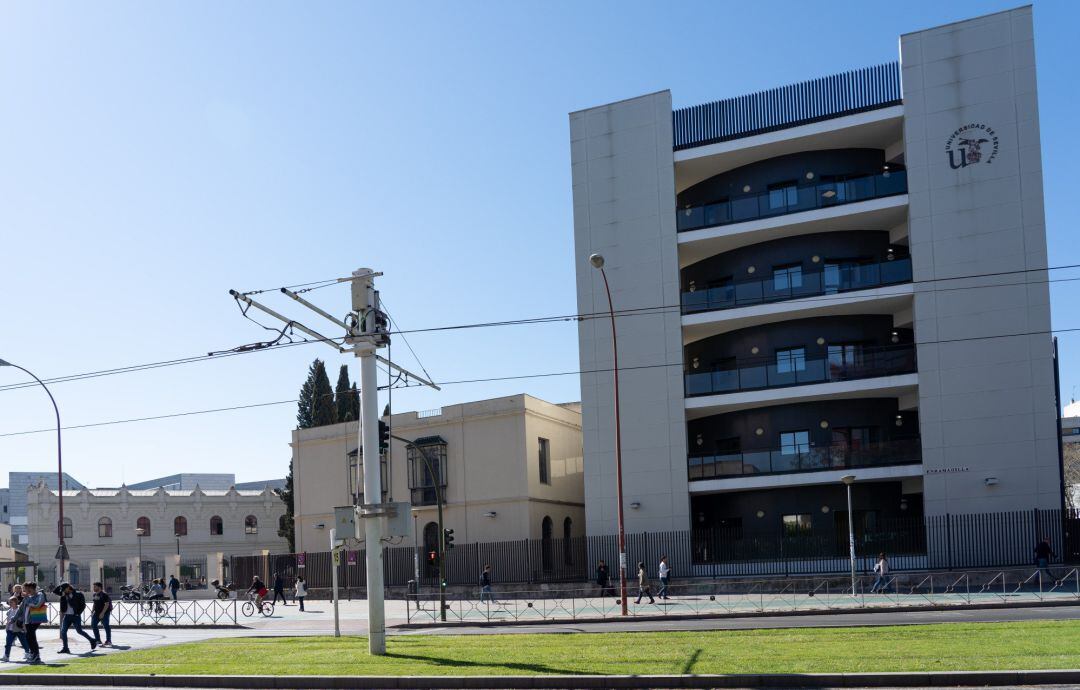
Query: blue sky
(154,155)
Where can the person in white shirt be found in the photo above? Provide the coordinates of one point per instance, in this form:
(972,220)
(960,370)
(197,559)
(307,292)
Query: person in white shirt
(881,569)
(301,591)
(665,576)
(14,629)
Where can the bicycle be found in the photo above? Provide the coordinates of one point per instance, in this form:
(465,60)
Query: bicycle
(155,608)
(248,608)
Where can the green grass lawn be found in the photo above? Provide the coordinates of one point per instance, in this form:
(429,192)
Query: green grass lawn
(943,647)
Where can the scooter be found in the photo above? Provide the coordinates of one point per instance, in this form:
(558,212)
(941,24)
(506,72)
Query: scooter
(130,593)
(223,591)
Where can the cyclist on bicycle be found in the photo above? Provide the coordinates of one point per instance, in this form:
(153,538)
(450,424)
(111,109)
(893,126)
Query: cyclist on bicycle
(157,590)
(259,589)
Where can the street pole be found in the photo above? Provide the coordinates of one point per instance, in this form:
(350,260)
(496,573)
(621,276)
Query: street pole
(848,481)
(597,261)
(365,302)
(333,579)
(59,464)
(139,533)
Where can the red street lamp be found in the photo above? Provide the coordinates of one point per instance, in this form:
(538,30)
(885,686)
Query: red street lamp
(61,553)
(597,260)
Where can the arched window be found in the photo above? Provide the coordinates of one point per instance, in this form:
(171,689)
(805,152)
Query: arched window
(217,526)
(104,528)
(567,543)
(545,543)
(64,530)
(179,526)
(283,523)
(251,525)
(143,523)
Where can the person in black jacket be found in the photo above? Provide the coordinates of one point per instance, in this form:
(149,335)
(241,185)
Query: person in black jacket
(279,589)
(72,604)
(100,616)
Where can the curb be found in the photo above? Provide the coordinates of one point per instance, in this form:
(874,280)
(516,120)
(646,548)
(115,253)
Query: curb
(773,680)
(740,614)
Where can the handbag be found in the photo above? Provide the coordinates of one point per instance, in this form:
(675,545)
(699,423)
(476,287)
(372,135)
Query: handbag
(38,614)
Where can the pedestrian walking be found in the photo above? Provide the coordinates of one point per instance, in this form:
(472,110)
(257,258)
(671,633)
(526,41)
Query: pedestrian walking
(13,629)
(1043,553)
(100,614)
(32,612)
(644,588)
(279,589)
(881,569)
(72,605)
(301,591)
(603,579)
(485,584)
(665,578)
(174,586)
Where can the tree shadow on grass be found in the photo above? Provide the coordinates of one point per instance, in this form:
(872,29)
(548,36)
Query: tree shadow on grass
(461,663)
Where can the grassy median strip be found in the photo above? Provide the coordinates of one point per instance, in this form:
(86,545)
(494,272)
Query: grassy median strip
(941,647)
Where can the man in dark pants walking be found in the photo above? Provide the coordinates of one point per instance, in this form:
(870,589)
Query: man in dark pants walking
(1043,554)
(72,604)
(174,586)
(279,589)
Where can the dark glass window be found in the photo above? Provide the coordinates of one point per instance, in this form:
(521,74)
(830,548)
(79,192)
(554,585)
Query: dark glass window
(796,524)
(104,528)
(782,195)
(545,460)
(143,523)
(66,529)
(789,360)
(787,277)
(179,526)
(251,525)
(426,481)
(217,526)
(794,442)
(356,476)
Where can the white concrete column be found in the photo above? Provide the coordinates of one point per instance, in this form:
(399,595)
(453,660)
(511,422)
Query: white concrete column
(96,574)
(133,570)
(213,567)
(172,566)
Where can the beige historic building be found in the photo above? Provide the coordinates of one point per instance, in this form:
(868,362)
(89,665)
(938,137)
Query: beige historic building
(189,533)
(511,468)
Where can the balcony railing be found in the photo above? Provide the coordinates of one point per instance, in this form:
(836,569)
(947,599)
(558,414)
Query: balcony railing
(759,373)
(778,202)
(834,457)
(829,280)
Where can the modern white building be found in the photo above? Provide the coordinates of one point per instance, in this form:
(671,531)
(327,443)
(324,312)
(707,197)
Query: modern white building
(845,276)
(186,532)
(509,468)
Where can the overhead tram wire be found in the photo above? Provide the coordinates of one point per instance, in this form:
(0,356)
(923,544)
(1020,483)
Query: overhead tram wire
(513,322)
(491,379)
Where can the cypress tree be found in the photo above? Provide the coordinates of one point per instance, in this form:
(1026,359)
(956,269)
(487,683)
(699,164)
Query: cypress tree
(287,528)
(316,404)
(346,398)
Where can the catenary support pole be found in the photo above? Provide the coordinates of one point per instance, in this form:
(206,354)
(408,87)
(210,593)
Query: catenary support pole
(333,580)
(848,481)
(369,441)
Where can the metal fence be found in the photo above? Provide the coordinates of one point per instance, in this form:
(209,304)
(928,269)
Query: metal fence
(788,106)
(947,542)
(748,596)
(162,612)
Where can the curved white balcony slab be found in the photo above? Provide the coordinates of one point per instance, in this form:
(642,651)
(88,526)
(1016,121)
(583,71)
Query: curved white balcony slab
(884,213)
(879,387)
(891,299)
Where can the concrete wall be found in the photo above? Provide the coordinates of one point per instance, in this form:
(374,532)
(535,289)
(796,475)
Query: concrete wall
(18,484)
(624,207)
(986,402)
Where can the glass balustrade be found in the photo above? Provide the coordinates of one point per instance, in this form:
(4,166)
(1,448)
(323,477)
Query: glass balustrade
(815,459)
(759,373)
(777,202)
(830,279)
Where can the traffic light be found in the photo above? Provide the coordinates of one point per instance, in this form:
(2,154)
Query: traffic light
(384,435)
(433,558)
(448,539)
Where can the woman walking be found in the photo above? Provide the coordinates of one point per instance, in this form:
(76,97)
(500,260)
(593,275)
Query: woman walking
(34,612)
(13,629)
(644,588)
(301,591)
(881,569)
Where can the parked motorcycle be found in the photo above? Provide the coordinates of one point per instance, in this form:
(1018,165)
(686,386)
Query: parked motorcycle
(222,590)
(130,593)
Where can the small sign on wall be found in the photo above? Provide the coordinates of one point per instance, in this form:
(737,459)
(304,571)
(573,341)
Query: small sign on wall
(301,560)
(352,558)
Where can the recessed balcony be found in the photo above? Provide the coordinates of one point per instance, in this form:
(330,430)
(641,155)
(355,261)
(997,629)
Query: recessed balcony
(792,368)
(792,199)
(833,278)
(794,459)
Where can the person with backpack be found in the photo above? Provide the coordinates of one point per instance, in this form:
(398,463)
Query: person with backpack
(72,605)
(174,586)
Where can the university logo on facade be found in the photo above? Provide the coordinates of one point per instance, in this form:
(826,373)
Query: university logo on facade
(970,145)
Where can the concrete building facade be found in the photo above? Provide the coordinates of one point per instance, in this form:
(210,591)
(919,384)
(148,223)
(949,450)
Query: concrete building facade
(841,277)
(189,533)
(18,484)
(511,468)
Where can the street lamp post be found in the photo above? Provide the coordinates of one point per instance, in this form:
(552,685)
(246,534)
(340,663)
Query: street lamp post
(139,534)
(848,480)
(597,260)
(62,551)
